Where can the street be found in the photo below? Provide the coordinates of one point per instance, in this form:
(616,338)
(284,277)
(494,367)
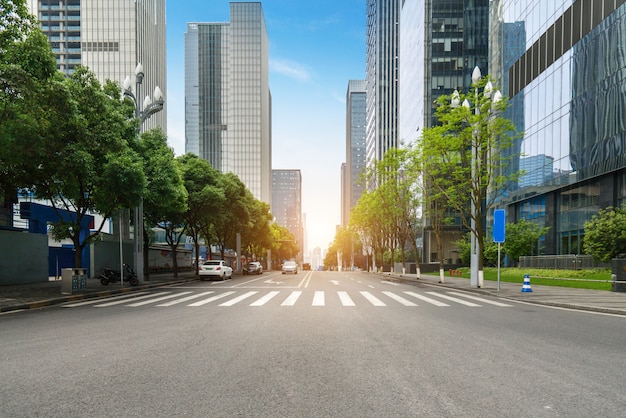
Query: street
(313,344)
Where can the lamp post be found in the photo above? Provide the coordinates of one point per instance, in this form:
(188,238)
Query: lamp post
(142,112)
(476,273)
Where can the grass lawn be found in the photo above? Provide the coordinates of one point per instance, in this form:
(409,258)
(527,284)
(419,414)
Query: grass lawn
(599,279)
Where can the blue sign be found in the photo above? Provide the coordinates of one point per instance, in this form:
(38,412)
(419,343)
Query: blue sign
(499,228)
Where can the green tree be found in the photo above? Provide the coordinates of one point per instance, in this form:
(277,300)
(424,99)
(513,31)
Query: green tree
(605,234)
(165,202)
(284,245)
(522,237)
(256,238)
(87,166)
(235,212)
(471,147)
(205,198)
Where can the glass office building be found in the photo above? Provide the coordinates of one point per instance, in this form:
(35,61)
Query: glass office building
(287,202)
(567,89)
(110,37)
(355,148)
(227,96)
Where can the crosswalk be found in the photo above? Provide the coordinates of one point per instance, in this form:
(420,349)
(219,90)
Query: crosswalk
(290,298)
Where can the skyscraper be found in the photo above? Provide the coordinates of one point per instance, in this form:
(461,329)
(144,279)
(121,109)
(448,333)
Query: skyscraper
(565,78)
(382,77)
(287,202)
(110,37)
(227,96)
(355,147)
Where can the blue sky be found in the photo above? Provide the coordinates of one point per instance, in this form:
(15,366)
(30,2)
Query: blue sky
(315,48)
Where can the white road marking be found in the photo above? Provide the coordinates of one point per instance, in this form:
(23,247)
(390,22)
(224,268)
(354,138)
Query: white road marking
(94,301)
(318,299)
(145,302)
(457,300)
(346,300)
(211,299)
(174,302)
(391,283)
(292,299)
(372,299)
(265,298)
(491,302)
(239,298)
(426,299)
(400,299)
(119,302)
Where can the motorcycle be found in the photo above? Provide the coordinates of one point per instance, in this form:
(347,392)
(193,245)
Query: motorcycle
(111,276)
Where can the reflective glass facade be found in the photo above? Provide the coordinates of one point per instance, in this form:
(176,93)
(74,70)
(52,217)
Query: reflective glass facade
(228,102)
(355,147)
(287,202)
(110,37)
(568,97)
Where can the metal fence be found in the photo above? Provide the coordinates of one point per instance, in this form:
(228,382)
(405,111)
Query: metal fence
(561,262)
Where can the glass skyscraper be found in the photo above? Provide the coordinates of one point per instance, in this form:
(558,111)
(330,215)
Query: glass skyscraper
(381,83)
(564,75)
(227,96)
(355,148)
(287,202)
(110,37)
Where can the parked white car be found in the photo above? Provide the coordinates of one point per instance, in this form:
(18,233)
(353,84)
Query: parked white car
(219,269)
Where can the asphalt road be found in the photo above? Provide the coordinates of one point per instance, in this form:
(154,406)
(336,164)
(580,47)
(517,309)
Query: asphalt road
(310,345)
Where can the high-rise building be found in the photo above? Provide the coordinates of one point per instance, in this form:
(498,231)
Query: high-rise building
(355,148)
(565,77)
(441,41)
(227,96)
(110,37)
(287,202)
(381,83)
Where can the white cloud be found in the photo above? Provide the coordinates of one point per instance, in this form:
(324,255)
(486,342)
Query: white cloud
(290,69)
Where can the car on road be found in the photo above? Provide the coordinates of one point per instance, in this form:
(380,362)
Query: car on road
(254,267)
(290,267)
(218,269)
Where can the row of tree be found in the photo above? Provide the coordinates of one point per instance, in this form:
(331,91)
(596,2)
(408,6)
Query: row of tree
(75,143)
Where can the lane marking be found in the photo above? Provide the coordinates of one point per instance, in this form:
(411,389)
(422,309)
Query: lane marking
(491,302)
(265,298)
(345,299)
(426,299)
(239,298)
(211,299)
(457,300)
(318,299)
(94,301)
(292,298)
(119,302)
(372,299)
(145,302)
(400,299)
(174,302)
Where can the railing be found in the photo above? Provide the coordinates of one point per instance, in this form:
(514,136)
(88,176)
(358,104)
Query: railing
(561,262)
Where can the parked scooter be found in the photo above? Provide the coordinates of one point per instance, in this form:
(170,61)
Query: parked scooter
(111,276)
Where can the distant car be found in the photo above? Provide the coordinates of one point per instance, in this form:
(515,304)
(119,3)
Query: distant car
(306,266)
(215,269)
(290,267)
(253,267)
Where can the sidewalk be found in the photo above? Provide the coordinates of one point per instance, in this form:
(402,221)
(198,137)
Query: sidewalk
(31,296)
(564,297)
(37,295)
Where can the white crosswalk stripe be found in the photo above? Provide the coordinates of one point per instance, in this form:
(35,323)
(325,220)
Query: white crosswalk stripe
(487,301)
(457,300)
(291,298)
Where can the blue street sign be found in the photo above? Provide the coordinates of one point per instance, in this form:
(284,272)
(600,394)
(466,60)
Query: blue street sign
(499,225)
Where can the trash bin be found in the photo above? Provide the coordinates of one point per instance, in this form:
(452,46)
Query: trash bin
(73,280)
(618,270)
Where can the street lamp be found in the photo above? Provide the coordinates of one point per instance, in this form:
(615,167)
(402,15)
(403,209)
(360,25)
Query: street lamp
(476,274)
(142,113)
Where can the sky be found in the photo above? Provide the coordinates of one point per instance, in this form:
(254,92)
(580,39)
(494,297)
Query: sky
(315,47)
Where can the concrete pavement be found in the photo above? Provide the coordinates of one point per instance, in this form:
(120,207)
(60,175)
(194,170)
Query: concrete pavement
(30,296)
